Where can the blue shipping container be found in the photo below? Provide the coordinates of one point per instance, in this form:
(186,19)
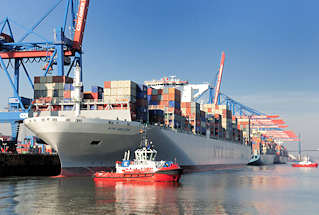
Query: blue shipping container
(67,86)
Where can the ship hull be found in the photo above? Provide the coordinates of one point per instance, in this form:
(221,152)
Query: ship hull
(280,159)
(262,159)
(85,146)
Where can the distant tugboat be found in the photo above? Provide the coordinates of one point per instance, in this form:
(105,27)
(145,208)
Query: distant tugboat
(142,168)
(305,163)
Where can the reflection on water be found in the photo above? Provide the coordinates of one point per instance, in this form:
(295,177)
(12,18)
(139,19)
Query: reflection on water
(278,189)
(138,197)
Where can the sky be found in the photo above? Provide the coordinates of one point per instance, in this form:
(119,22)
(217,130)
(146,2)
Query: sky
(271,49)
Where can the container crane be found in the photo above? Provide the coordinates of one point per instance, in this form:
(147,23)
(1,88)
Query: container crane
(218,81)
(61,51)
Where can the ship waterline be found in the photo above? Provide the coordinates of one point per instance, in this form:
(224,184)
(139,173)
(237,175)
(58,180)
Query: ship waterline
(88,144)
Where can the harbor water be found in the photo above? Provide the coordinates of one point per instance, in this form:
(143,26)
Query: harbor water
(274,189)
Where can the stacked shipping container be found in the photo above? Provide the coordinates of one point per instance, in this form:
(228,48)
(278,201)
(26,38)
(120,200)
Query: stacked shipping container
(141,105)
(119,91)
(226,120)
(52,89)
(169,101)
(134,96)
(95,94)
(191,111)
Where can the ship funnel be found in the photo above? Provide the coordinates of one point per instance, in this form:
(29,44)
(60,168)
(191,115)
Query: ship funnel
(77,89)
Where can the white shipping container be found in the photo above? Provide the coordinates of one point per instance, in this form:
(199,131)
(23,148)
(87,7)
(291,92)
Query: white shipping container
(49,79)
(61,93)
(107,91)
(42,79)
(114,84)
(114,92)
(61,86)
(37,86)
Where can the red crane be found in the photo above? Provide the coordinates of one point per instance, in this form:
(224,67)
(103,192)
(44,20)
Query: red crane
(219,79)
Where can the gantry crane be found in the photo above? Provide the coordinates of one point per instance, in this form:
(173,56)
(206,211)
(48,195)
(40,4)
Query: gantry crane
(61,52)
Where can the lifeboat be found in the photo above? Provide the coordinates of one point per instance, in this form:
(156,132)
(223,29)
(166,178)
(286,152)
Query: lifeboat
(143,168)
(305,163)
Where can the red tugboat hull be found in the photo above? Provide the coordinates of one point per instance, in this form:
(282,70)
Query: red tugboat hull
(315,165)
(163,175)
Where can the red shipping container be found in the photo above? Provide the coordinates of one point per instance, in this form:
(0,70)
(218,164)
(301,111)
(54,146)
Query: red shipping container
(36,79)
(107,84)
(154,98)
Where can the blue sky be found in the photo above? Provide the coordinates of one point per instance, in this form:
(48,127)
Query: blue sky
(271,48)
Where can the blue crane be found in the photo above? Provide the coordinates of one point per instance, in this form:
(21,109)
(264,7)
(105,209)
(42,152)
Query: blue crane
(61,52)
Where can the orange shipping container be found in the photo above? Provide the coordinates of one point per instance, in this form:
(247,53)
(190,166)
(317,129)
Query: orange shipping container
(149,91)
(165,97)
(171,91)
(67,94)
(171,97)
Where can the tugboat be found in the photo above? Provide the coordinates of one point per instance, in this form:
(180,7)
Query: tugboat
(143,168)
(305,163)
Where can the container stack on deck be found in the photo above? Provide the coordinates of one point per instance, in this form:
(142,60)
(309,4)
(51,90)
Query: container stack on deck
(226,120)
(95,94)
(191,111)
(167,100)
(141,104)
(119,91)
(51,89)
(214,125)
(127,94)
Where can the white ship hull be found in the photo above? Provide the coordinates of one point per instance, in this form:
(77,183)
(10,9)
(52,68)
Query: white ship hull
(280,159)
(86,145)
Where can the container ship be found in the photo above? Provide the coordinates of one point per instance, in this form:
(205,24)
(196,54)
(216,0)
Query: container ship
(91,130)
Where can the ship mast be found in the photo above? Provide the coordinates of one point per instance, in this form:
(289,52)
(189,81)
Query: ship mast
(77,89)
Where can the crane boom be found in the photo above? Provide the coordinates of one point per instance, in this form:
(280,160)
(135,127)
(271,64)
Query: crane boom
(219,79)
(80,24)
